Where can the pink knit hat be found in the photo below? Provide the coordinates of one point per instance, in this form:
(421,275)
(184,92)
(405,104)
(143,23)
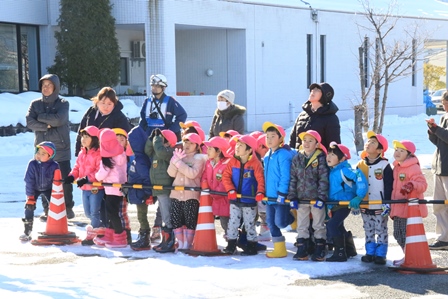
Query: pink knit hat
(109,145)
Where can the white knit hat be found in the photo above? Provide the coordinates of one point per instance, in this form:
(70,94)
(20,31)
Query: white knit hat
(228,95)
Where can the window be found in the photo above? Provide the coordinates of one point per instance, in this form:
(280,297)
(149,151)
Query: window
(124,78)
(309,68)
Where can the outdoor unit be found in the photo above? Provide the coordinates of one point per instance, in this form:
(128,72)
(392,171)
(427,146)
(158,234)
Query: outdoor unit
(138,49)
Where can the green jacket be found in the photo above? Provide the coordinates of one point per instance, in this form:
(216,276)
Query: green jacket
(160,157)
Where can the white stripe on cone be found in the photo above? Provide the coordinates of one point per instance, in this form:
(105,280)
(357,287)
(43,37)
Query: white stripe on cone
(205,226)
(414,220)
(57,216)
(206,209)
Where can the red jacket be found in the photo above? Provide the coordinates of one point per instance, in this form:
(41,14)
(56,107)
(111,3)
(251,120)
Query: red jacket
(87,164)
(408,171)
(213,177)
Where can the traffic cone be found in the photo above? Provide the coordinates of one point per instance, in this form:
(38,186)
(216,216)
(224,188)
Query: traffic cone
(204,242)
(417,258)
(56,232)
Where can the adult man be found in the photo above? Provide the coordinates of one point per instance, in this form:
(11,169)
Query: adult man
(48,117)
(161,111)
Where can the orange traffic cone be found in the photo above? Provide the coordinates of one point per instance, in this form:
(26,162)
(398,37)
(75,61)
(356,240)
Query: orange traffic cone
(417,258)
(56,232)
(204,242)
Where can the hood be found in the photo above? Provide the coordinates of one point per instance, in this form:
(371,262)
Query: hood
(231,111)
(57,87)
(330,108)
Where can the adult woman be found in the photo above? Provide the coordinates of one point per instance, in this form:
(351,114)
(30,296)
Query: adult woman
(319,114)
(104,113)
(228,116)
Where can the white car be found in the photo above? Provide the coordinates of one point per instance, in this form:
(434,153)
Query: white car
(436,98)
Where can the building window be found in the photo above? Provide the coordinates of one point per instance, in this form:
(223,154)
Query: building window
(322,58)
(309,56)
(124,77)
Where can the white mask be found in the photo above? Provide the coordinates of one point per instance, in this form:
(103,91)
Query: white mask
(222,105)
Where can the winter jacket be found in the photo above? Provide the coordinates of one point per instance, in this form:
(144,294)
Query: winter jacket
(277,171)
(87,164)
(353,184)
(212,177)
(160,156)
(380,177)
(39,176)
(228,119)
(174,114)
(439,137)
(53,111)
(246,179)
(138,172)
(408,171)
(324,120)
(309,177)
(188,174)
(92,117)
(115,175)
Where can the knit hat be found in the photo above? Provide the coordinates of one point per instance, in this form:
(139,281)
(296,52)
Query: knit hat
(247,139)
(109,145)
(47,146)
(193,137)
(327,91)
(170,136)
(406,145)
(229,132)
(228,95)
(342,148)
(220,143)
(120,131)
(91,130)
(316,136)
(279,128)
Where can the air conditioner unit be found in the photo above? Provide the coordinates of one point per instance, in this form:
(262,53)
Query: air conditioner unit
(138,49)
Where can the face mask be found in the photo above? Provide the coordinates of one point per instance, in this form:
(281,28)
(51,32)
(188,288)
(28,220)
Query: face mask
(222,105)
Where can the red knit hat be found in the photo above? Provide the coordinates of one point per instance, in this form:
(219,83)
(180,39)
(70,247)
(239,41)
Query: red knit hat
(109,145)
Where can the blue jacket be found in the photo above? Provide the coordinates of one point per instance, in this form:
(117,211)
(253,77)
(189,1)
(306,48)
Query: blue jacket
(354,184)
(39,176)
(138,172)
(277,171)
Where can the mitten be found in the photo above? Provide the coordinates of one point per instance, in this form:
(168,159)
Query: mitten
(354,203)
(407,188)
(356,211)
(260,196)
(386,210)
(319,204)
(294,203)
(280,199)
(70,179)
(149,200)
(82,182)
(30,203)
(231,195)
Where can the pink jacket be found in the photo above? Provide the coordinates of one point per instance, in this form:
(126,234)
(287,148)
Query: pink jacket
(408,171)
(117,174)
(87,164)
(213,177)
(188,174)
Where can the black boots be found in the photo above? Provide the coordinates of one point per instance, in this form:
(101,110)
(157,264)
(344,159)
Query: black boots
(28,224)
(319,252)
(231,247)
(350,248)
(143,242)
(168,241)
(302,250)
(339,254)
(251,248)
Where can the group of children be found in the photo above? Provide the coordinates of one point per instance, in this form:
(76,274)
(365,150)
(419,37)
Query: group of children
(262,176)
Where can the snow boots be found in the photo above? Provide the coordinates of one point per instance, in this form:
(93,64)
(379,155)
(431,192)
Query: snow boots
(143,242)
(302,250)
(251,248)
(339,254)
(108,237)
(350,247)
(242,241)
(179,234)
(231,247)
(319,252)
(28,224)
(119,240)
(265,233)
(168,241)
(279,248)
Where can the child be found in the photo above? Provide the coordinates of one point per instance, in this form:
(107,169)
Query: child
(212,177)
(186,167)
(378,172)
(243,175)
(159,149)
(277,164)
(38,182)
(122,137)
(309,181)
(409,182)
(346,184)
(86,165)
(112,170)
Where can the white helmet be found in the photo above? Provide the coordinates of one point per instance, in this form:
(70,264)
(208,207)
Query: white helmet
(158,80)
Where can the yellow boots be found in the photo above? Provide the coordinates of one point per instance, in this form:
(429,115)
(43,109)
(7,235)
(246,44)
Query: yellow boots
(279,248)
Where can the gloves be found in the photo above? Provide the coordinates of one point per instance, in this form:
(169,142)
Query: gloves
(319,204)
(178,155)
(30,203)
(82,182)
(354,203)
(260,196)
(231,195)
(70,179)
(294,203)
(407,188)
(356,212)
(280,199)
(386,210)
(149,200)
